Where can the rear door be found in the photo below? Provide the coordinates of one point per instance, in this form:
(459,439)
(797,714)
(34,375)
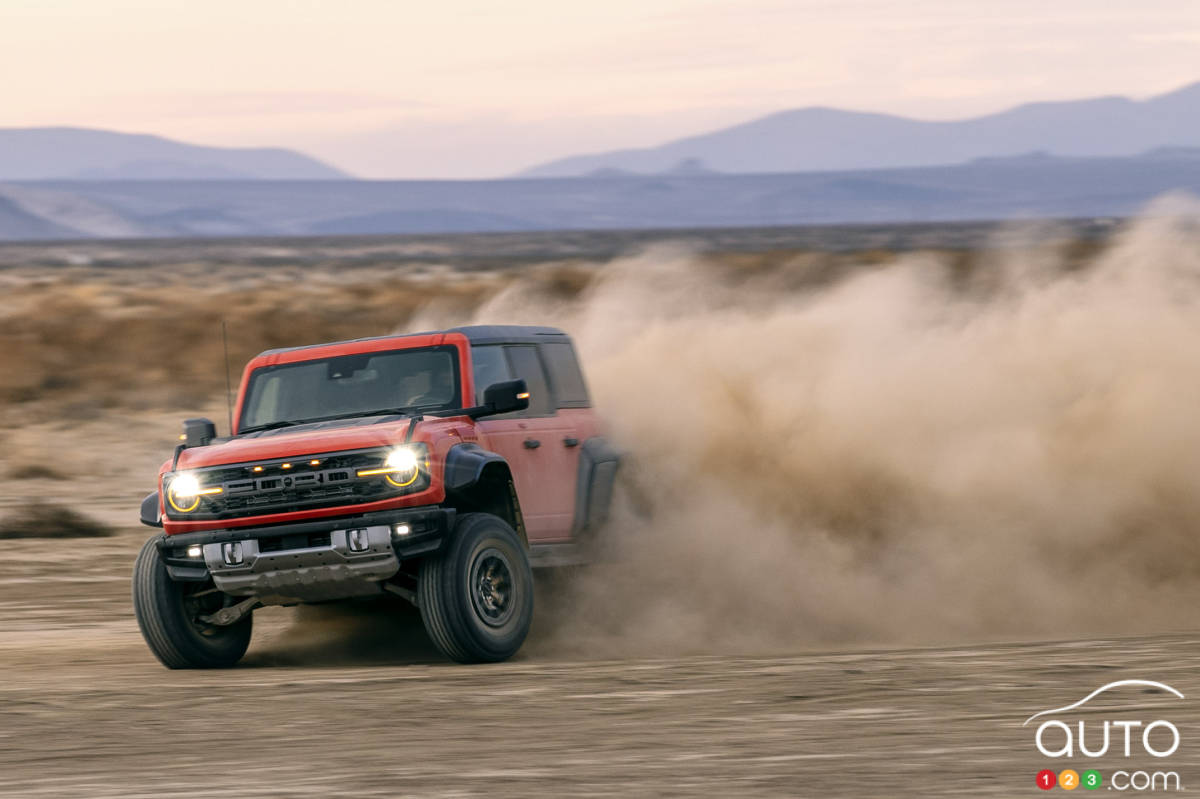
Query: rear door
(540,446)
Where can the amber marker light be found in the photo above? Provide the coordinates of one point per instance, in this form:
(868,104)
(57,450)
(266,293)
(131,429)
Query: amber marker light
(285,466)
(314,463)
(256,469)
(523,395)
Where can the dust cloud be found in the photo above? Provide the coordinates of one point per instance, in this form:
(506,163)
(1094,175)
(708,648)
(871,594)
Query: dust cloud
(902,455)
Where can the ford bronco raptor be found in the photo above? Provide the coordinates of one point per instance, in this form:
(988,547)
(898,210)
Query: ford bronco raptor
(441,467)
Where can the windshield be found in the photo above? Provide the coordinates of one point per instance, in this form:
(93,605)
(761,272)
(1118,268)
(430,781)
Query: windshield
(416,380)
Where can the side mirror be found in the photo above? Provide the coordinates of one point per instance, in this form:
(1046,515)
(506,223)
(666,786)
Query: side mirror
(511,395)
(198,432)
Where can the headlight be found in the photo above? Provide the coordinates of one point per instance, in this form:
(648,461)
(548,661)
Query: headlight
(184,492)
(401,467)
(402,460)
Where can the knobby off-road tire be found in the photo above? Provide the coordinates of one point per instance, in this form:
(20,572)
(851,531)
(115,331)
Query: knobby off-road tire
(167,620)
(476,596)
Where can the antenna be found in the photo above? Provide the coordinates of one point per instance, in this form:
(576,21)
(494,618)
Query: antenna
(228,383)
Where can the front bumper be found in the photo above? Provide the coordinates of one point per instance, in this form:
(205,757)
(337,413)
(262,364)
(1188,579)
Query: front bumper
(316,561)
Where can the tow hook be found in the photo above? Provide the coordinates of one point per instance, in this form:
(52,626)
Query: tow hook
(232,614)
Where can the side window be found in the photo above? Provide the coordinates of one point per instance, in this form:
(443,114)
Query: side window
(526,365)
(565,377)
(489,366)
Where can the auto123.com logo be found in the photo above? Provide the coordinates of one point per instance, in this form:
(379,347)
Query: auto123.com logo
(1138,744)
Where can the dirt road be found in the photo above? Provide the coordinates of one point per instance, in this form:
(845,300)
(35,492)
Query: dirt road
(343,703)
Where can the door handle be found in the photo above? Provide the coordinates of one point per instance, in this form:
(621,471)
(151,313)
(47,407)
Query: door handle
(570,442)
(532,443)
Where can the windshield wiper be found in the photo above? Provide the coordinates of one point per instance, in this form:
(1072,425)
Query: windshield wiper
(258,428)
(407,411)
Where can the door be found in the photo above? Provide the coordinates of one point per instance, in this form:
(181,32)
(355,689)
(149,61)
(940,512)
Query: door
(540,446)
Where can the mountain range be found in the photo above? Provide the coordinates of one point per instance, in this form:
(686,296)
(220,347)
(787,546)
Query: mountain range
(991,189)
(829,139)
(85,154)
(801,140)
(1090,158)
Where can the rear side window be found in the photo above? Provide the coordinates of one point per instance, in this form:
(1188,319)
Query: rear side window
(565,377)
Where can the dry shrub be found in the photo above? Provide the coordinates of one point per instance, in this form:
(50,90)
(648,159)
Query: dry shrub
(34,471)
(68,354)
(45,520)
(77,344)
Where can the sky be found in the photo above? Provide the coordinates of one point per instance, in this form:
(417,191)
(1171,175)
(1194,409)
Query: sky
(480,88)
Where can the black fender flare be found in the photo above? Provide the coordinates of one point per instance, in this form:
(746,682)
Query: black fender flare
(465,464)
(598,462)
(469,466)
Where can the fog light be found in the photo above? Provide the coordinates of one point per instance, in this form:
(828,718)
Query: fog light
(194,551)
(357,539)
(232,553)
(401,530)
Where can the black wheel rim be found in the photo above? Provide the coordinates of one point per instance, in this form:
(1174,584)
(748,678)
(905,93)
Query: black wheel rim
(492,587)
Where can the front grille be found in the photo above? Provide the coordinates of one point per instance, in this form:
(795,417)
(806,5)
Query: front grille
(277,486)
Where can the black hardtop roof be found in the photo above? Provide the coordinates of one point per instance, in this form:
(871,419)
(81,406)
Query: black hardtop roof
(476,334)
(498,334)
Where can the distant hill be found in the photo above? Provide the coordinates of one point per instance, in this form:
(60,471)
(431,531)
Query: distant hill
(828,139)
(1024,186)
(84,154)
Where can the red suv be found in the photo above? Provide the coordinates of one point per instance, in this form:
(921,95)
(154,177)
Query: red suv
(441,467)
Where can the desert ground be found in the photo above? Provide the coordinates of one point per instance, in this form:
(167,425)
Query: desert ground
(836,650)
(353,703)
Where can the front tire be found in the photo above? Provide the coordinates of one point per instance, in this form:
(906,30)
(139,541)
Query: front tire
(476,597)
(167,613)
